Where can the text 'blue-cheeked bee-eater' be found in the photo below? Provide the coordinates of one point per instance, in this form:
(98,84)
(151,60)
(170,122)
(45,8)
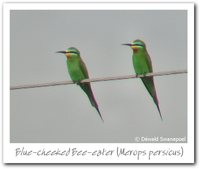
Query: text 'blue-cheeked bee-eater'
(78,71)
(142,65)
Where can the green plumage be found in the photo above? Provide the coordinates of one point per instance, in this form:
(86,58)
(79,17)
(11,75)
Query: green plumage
(78,71)
(142,65)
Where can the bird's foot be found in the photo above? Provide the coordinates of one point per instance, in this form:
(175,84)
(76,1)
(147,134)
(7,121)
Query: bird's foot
(144,74)
(77,82)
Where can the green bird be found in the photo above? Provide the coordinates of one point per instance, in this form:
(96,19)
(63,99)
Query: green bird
(78,71)
(142,65)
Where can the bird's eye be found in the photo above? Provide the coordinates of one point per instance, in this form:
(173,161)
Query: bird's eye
(73,52)
(138,45)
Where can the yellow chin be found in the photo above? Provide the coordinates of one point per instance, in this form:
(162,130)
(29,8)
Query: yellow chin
(135,48)
(68,55)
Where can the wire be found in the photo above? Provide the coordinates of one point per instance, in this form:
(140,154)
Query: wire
(164,73)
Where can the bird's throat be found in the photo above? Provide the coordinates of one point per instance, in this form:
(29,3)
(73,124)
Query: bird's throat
(135,49)
(68,55)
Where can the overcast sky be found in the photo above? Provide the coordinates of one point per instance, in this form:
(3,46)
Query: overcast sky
(64,113)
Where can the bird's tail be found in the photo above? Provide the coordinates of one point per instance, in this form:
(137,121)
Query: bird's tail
(87,89)
(149,84)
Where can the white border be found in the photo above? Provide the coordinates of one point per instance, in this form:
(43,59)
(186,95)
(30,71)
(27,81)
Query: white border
(9,148)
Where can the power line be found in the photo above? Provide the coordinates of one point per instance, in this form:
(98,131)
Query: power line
(164,73)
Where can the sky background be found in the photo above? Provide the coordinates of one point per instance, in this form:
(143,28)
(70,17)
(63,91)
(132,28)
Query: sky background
(63,113)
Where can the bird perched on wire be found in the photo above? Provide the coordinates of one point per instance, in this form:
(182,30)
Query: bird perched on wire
(142,65)
(78,71)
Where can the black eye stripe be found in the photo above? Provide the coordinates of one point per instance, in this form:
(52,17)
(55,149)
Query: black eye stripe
(73,52)
(137,45)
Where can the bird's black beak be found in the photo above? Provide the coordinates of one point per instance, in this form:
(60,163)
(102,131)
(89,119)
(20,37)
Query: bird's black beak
(61,52)
(127,44)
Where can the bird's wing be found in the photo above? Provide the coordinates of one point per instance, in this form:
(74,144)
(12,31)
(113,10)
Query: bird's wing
(149,63)
(87,88)
(83,68)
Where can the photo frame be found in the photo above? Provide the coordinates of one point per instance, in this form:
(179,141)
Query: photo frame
(141,149)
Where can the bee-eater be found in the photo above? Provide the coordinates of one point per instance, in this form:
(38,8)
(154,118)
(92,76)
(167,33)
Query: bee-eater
(78,71)
(142,65)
